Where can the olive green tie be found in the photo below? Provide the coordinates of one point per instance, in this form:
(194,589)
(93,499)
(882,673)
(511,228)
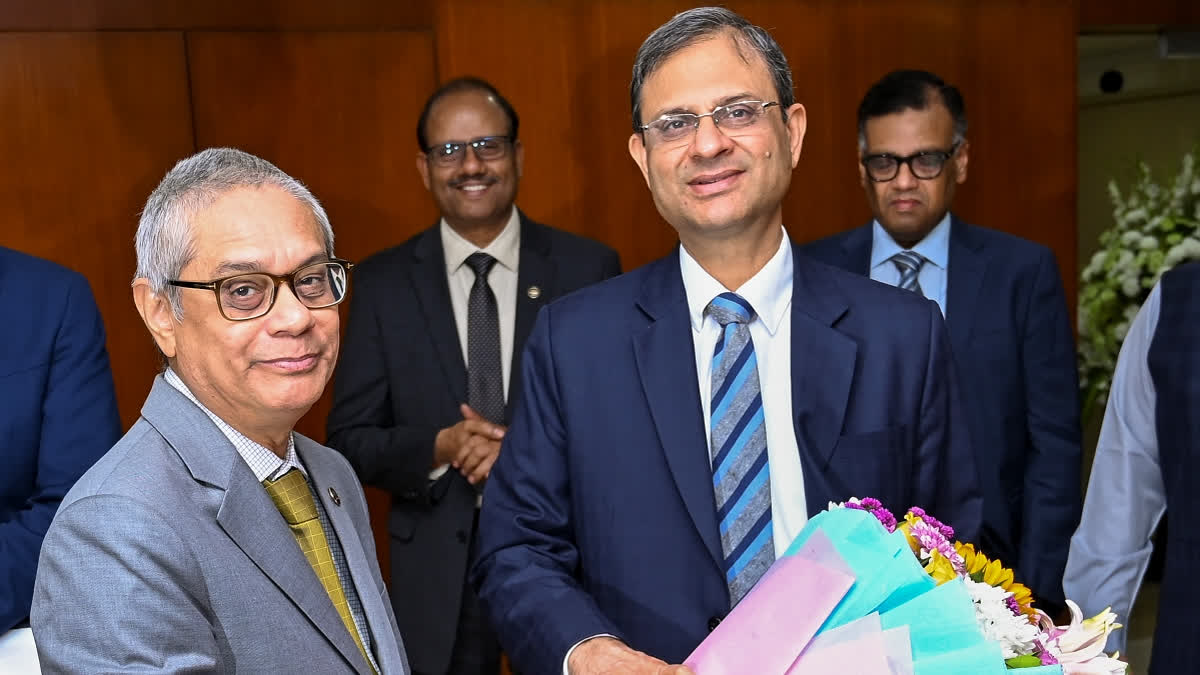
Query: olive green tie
(295,502)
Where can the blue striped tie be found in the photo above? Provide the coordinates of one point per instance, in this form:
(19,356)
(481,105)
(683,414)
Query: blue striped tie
(741,475)
(909,266)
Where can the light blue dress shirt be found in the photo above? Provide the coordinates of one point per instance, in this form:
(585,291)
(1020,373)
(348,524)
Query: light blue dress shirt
(1126,498)
(935,248)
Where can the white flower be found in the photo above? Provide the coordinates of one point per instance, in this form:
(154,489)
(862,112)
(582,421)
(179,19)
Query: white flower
(1014,633)
(1148,243)
(1131,286)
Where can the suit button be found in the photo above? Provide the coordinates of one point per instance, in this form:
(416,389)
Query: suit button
(713,623)
(461,536)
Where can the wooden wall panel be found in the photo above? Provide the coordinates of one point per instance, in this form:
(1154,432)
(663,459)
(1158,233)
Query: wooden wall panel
(72,15)
(1109,14)
(569,80)
(92,121)
(338,111)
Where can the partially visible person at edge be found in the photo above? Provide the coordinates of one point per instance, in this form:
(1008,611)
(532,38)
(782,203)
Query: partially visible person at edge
(58,410)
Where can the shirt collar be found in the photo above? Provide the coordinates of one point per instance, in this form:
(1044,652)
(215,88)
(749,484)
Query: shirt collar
(769,291)
(504,248)
(261,459)
(935,247)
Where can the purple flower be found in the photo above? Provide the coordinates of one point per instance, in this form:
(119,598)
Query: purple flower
(875,508)
(1013,606)
(945,530)
(932,539)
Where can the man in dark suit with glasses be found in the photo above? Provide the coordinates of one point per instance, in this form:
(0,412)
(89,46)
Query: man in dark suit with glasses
(1003,301)
(432,360)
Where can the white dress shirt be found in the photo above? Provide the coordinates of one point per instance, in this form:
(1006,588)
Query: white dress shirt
(769,292)
(1125,498)
(935,248)
(506,249)
(261,459)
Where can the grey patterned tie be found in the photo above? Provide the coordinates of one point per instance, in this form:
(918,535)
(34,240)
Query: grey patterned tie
(909,265)
(741,475)
(485,380)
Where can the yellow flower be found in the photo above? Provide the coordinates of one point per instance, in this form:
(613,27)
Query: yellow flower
(940,568)
(993,573)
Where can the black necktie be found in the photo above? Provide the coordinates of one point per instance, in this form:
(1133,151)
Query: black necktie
(485,380)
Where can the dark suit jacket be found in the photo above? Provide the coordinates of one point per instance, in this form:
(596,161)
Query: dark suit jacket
(401,379)
(58,410)
(599,515)
(1012,342)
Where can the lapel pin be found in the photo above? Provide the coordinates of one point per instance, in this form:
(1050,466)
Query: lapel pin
(533,292)
(337,501)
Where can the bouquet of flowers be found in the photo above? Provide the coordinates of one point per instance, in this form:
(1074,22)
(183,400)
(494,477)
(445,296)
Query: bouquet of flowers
(859,591)
(1156,228)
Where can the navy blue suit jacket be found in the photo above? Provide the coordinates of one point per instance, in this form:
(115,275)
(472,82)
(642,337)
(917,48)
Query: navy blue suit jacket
(599,515)
(58,410)
(1013,346)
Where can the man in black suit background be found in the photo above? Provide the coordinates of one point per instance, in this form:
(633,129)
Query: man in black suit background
(433,348)
(1004,305)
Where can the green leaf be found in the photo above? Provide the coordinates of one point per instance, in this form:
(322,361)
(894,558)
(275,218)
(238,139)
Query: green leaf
(1026,661)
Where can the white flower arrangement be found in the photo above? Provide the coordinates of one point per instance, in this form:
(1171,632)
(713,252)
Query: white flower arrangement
(1155,229)
(1014,633)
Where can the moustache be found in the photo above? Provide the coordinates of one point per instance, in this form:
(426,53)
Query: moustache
(459,181)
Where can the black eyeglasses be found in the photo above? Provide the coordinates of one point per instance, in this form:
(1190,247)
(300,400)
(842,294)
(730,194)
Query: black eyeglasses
(242,297)
(486,149)
(734,117)
(926,165)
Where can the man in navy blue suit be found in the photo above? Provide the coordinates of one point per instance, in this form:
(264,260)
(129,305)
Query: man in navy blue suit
(1005,310)
(58,410)
(679,424)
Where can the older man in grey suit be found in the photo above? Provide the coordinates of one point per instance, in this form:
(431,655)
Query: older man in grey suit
(213,537)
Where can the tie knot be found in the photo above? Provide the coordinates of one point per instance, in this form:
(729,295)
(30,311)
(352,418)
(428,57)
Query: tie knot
(908,261)
(480,263)
(729,308)
(292,497)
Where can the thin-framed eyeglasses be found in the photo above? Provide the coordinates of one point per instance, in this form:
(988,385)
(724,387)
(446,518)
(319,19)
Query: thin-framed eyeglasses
(242,297)
(486,149)
(732,117)
(926,165)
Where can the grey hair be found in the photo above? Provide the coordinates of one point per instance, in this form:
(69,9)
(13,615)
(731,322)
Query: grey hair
(165,241)
(701,23)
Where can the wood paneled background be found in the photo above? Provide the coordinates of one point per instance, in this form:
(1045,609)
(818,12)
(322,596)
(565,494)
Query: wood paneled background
(98,98)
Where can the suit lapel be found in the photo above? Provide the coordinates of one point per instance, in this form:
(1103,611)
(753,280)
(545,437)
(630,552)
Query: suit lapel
(666,365)
(428,277)
(964,282)
(822,373)
(380,625)
(246,513)
(251,520)
(856,251)
(534,271)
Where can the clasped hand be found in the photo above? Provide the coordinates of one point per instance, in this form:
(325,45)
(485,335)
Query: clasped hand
(470,446)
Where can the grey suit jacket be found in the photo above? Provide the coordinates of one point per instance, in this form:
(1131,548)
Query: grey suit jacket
(169,556)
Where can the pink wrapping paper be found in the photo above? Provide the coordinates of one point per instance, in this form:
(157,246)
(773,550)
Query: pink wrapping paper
(769,628)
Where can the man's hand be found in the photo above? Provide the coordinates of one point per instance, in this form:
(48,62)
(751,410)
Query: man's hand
(610,656)
(471,446)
